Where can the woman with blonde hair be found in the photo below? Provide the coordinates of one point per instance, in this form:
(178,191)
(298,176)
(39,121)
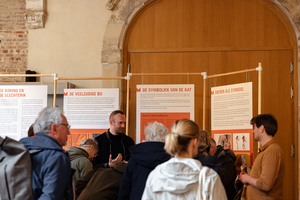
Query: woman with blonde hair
(183,177)
(81,157)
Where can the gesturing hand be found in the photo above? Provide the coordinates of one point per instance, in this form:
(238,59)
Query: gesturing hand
(112,162)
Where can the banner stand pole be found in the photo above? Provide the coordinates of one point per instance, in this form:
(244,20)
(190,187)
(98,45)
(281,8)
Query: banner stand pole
(127,100)
(204,98)
(55,89)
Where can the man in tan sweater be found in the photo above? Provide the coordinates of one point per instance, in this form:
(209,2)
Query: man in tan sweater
(265,180)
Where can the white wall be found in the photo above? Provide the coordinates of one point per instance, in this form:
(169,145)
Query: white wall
(71,42)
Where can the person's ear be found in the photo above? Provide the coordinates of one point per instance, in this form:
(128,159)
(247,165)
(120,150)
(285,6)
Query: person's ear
(53,128)
(195,142)
(262,128)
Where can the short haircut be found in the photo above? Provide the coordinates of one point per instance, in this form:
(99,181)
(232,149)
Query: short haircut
(89,142)
(46,118)
(204,143)
(182,132)
(269,122)
(114,113)
(156,132)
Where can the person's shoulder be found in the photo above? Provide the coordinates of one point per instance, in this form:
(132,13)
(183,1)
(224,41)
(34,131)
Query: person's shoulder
(274,148)
(55,153)
(275,145)
(272,152)
(209,173)
(41,142)
(128,138)
(101,136)
(230,154)
(53,160)
(157,170)
(85,161)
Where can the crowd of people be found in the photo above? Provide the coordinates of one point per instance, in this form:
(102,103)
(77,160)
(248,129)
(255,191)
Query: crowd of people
(181,163)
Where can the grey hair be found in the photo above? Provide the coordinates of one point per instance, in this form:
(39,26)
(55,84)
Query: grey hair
(89,142)
(156,132)
(46,118)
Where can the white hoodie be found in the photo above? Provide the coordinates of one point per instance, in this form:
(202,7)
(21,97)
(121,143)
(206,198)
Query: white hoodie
(178,178)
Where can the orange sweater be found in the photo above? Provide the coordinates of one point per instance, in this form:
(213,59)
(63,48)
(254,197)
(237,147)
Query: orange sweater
(268,168)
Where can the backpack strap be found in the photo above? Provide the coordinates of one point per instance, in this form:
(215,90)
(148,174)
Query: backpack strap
(122,139)
(1,142)
(106,133)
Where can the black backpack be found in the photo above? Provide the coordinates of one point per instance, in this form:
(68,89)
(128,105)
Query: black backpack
(15,171)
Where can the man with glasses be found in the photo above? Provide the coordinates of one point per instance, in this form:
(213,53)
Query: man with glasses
(113,144)
(51,168)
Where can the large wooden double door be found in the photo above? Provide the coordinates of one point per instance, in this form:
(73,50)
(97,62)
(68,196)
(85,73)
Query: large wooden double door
(219,36)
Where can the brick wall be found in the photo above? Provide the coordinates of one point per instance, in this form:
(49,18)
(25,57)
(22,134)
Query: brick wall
(14,39)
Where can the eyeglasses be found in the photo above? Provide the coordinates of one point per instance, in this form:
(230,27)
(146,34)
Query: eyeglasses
(67,125)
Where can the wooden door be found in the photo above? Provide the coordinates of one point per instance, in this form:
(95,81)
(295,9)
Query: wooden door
(276,96)
(219,36)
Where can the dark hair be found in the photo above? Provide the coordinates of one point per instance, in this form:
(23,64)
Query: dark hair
(30,131)
(204,143)
(269,122)
(212,140)
(115,112)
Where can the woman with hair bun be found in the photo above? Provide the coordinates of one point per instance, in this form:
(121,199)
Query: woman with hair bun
(183,177)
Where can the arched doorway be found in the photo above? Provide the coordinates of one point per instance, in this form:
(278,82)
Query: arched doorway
(220,36)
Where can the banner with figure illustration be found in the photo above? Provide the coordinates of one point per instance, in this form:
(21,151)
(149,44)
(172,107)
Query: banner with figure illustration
(231,112)
(164,104)
(19,108)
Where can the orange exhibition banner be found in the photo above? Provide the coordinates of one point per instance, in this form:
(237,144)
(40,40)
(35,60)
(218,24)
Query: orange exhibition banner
(164,104)
(231,112)
(165,118)
(240,141)
(78,135)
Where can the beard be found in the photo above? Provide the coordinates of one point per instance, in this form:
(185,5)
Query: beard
(119,130)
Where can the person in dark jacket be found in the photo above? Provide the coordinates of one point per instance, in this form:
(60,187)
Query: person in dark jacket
(51,167)
(144,158)
(203,152)
(113,144)
(101,183)
(226,159)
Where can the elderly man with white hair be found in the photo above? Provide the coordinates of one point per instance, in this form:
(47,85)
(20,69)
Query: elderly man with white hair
(51,167)
(144,158)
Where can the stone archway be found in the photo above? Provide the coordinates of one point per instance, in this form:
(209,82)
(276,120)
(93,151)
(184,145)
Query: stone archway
(111,55)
